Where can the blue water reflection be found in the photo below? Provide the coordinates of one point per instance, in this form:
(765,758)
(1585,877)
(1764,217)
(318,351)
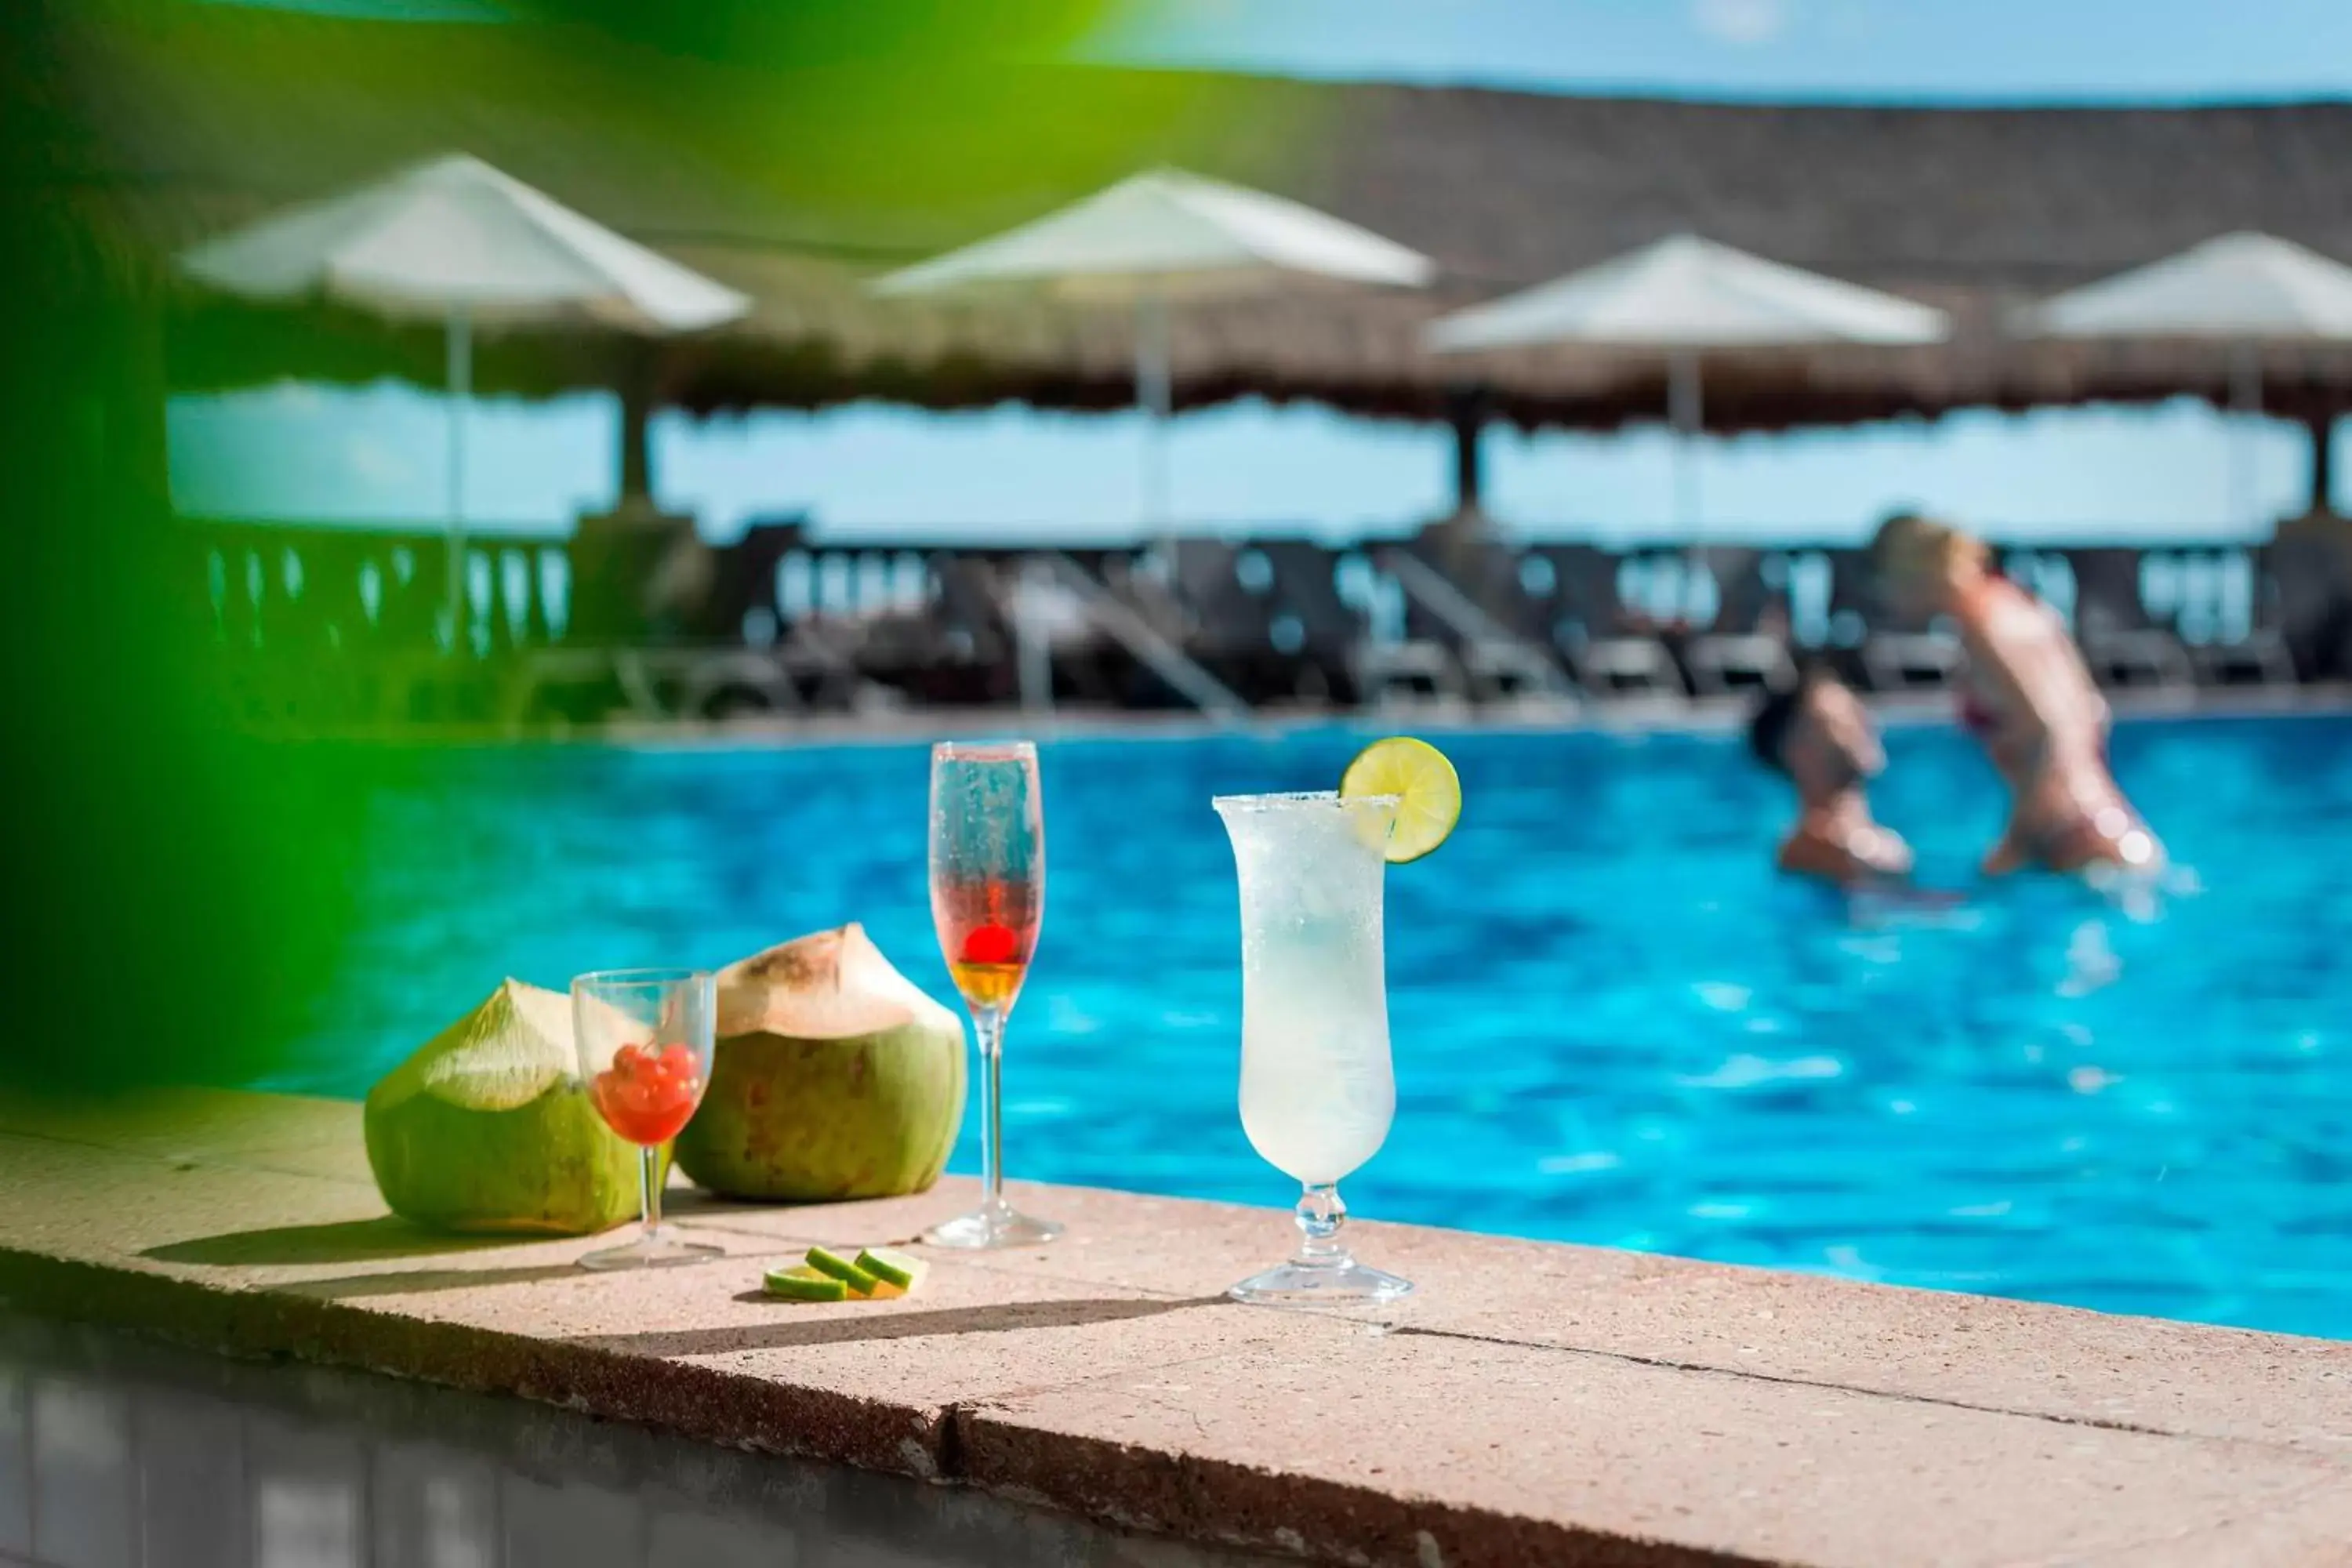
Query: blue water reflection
(1613,1023)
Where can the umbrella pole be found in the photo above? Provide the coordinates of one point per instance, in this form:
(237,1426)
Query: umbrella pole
(1684,410)
(2246,402)
(1152,395)
(461,389)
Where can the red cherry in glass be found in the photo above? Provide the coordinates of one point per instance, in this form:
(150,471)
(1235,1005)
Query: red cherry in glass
(991,944)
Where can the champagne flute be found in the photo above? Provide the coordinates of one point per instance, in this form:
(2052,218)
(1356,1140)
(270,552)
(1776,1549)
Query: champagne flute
(646,1039)
(988,895)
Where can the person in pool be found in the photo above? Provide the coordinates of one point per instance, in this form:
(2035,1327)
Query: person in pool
(1819,736)
(2027,696)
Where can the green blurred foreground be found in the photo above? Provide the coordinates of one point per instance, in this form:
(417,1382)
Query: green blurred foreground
(178,889)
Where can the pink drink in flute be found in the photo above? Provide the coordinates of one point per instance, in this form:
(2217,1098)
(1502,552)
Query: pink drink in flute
(987,898)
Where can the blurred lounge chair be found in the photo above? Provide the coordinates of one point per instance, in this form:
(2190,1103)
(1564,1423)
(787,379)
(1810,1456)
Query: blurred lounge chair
(1312,623)
(2258,654)
(2304,591)
(1610,651)
(638,581)
(1060,594)
(1465,592)
(1897,652)
(1746,646)
(743,584)
(955,647)
(2121,643)
(753,653)
(1224,604)
(1137,627)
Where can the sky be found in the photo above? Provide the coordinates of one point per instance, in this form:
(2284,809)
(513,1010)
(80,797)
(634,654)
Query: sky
(377,454)
(1899,50)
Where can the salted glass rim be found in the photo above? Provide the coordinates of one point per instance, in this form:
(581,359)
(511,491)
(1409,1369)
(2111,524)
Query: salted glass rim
(1284,799)
(983,750)
(646,976)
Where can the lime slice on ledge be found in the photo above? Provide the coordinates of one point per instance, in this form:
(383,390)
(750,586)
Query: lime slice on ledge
(1428,792)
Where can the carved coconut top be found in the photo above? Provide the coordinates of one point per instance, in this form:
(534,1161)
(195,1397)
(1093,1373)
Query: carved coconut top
(827,985)
(505,1053)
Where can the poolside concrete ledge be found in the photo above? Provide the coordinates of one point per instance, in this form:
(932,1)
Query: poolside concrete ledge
(1532,1404)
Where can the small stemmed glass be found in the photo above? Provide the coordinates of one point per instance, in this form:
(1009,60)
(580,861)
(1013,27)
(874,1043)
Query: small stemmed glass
(646,1039)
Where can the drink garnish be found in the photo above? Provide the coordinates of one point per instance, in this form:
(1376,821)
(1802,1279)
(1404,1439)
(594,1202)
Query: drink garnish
(804,1284)
(1428,792)
(876,1274)
(859,1281)
(990,945)
(895,1272)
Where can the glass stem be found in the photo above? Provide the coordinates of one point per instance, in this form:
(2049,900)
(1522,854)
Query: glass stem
(988,1028)
(649,1187)
(1320,1215)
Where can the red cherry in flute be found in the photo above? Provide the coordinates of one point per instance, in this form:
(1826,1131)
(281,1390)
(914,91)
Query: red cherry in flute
(991,944)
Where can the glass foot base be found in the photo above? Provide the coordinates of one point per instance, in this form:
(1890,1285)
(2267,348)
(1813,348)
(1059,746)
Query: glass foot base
(662,1248)
(1344,1283)
(998,1227)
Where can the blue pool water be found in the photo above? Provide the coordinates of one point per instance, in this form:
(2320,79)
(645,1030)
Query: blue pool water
(1613,1023)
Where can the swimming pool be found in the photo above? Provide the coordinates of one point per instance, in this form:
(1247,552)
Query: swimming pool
(1613,1023)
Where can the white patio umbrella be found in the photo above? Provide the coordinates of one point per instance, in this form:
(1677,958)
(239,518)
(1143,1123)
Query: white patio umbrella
(456,241)
(2241,290)
(1157,238)
(1685,295)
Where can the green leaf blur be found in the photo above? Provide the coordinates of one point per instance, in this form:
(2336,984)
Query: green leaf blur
(183,883)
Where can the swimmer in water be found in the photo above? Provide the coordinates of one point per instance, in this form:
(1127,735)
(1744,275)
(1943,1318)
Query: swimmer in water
(2027,696)
(1820,736)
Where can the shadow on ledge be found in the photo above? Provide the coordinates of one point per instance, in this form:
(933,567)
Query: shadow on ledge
(996,1320)
(348,1241)
(424,1282)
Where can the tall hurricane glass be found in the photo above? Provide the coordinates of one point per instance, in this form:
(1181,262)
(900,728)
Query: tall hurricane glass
(1317,1091)
(988,897)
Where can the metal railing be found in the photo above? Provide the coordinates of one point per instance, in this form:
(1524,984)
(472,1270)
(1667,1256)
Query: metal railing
(339,625)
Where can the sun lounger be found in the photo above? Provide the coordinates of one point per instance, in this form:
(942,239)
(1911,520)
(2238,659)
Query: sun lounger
(1746,646)
(2121,643)
(2254,652)
(2305,594)
(1589,624)
(1895,653)
(955,647)
(1227,611)
(1324,632)
(1466,594)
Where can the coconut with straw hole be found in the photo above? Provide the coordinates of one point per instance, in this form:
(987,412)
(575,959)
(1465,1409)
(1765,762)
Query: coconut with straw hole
(836,1077)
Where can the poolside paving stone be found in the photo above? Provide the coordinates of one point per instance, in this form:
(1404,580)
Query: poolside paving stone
(1533,1402)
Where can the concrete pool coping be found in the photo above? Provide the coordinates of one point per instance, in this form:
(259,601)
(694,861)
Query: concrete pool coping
(1532,1403)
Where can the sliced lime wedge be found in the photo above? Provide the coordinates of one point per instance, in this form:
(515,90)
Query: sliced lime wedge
(892,1267)
(1428,792)
(859,1281)
(804,1284)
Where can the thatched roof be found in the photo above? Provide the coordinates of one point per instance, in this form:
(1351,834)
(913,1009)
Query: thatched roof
(786,184)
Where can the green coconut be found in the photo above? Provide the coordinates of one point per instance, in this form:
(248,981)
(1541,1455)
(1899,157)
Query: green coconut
(837,1078)
(487,1129)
